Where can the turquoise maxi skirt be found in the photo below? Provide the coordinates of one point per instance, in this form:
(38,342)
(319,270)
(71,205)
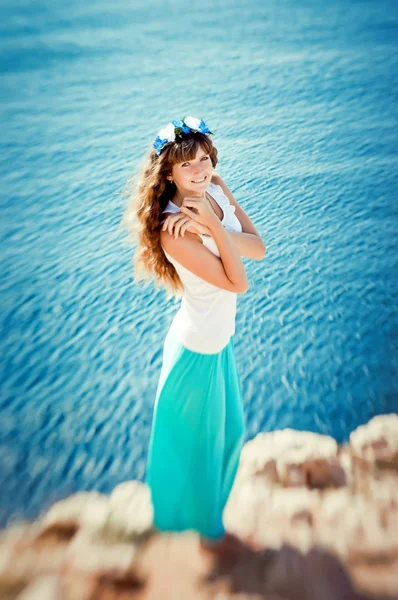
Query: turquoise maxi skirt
(196,439)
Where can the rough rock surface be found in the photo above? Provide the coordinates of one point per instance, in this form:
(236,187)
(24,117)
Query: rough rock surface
(308,520)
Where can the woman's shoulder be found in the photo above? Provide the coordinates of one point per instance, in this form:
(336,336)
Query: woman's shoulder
(215,182)
(218,189)
(227,201)
(219,185)
(216,178)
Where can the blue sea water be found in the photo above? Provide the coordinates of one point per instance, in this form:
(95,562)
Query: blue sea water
(302,97)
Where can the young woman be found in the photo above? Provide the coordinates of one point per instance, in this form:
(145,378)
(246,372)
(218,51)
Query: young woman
(192,234)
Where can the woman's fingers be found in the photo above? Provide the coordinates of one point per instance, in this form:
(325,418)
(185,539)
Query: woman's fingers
(176,228)
(194,204)
(188,226)
(189,223)
(166,222)
(199,209)
(170,222)
(179,225)
(190,213)
(173,223)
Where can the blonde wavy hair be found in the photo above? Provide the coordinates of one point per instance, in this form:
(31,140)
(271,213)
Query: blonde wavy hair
(149,195)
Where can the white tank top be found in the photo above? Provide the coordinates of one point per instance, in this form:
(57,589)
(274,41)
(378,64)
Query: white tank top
(205,320)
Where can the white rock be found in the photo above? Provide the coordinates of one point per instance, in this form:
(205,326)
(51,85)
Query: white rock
(93,555)
(131,508)
(74,509)
(378,439)
(285,447)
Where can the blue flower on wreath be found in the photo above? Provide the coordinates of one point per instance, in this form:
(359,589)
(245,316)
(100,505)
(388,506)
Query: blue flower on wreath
(178,128)
(181,125)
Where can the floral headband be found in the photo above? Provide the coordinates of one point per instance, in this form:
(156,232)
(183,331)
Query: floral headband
(177,128)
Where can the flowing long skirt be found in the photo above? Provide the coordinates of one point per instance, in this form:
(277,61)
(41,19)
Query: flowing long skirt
(196,439)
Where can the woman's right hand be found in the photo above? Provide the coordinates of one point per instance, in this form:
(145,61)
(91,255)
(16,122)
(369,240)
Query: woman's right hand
(200,210)
(178,223)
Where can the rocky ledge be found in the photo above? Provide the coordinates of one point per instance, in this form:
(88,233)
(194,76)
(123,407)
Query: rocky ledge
(310,520)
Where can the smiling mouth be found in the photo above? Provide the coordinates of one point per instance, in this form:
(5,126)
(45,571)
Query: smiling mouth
(200,180)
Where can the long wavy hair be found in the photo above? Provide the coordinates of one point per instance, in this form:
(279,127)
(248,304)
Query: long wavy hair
(150,193)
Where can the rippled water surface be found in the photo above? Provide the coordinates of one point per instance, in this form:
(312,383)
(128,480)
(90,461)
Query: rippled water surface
(302,97)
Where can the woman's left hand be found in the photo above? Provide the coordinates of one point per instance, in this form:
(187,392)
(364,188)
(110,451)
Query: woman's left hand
(178,223)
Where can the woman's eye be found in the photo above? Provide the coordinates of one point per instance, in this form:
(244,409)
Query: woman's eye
(187,163)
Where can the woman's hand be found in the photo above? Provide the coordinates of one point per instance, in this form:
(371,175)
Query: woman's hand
(178,223)
(200,210)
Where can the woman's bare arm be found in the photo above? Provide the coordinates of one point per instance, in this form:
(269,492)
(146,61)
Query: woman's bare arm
(249,242)
(226,272)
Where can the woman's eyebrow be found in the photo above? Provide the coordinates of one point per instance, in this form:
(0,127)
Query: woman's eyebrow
(199,157)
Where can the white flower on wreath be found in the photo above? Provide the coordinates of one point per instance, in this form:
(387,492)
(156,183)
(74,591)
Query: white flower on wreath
(193,123)
(167,133)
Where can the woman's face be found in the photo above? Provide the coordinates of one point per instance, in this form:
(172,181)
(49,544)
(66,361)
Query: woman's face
(193,176)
